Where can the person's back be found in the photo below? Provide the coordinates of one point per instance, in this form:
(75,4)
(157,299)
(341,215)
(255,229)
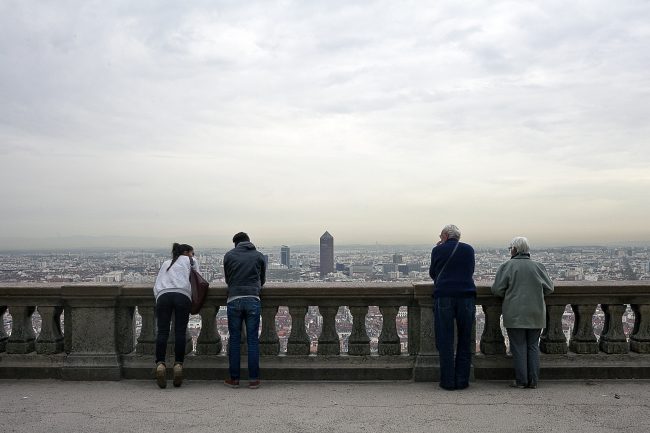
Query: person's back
(522,283)
(245,273)
(244,269)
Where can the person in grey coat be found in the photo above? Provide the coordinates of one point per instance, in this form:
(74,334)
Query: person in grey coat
(523,283)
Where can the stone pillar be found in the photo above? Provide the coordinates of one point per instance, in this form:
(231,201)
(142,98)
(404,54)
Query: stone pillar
(640,338)
(125,329)
(22,332)
(389,343)
(147,339)
(426,362)
(50,340)
(359,343)
(583,339)
(553,339)
(209,340)
(492,341)
(269,341)
(3,332)
(612,339)
(94,351)
(328,341)
(298,343)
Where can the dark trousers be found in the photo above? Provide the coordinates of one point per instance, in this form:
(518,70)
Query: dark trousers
(180,305)
(240,311)
(454,370)
(524,346)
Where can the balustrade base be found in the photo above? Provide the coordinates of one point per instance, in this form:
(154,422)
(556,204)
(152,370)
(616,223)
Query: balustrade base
(305,368)
(347,368)
(49,346)
(639,346)
(31,366)
(614,346)
(571,366)
(91,367)
(584,347)
(427,368)
(553,347)
(22,347)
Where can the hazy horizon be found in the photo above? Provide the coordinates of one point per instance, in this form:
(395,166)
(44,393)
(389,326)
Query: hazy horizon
(118,243)
(376,121)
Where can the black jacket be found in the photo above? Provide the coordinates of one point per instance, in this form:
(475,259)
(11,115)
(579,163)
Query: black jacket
(245,270)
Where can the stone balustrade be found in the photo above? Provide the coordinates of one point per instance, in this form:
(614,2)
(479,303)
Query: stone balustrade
(98,339)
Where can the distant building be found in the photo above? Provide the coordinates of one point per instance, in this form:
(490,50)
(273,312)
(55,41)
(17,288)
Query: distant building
(326,254)
(285,256)
(266,259)
(397,258)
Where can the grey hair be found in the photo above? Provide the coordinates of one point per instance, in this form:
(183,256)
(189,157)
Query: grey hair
(520,243)
(452,231)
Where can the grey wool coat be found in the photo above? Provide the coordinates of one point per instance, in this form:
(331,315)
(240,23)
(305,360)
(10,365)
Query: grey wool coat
(523,283)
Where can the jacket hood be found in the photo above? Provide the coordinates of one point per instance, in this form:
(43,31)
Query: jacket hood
(246,245)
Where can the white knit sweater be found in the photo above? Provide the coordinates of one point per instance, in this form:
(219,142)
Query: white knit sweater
(176,279)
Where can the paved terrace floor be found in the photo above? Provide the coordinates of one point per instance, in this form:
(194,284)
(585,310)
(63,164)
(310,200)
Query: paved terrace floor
(207,406)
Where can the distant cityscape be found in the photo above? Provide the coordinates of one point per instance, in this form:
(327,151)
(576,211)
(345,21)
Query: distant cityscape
(321,262)
(324,262)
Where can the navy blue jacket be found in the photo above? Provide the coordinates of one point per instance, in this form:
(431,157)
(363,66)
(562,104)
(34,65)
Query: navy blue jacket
(456,279)
(245,270)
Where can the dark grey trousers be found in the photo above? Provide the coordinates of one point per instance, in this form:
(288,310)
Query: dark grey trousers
(524,346)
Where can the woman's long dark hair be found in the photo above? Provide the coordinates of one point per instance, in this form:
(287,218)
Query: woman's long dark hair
(178,250)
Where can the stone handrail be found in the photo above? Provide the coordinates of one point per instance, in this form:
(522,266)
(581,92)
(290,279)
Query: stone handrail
(98,339)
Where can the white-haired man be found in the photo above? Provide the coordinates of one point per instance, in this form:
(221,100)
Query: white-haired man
(523,283)
(454,294)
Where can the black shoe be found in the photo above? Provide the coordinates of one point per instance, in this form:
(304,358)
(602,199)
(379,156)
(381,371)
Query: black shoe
(448,388)
(514,384)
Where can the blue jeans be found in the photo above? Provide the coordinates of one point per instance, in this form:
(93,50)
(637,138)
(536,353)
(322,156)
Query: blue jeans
(524,346)
(454,373)
(244,310)
(180,305)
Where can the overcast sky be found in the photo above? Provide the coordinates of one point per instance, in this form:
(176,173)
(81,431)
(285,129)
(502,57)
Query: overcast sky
(379,121)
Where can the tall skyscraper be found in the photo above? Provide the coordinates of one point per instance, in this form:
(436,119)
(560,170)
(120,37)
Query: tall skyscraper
(326,254)
(285,256)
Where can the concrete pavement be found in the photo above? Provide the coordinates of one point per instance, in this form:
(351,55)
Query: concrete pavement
(207,406)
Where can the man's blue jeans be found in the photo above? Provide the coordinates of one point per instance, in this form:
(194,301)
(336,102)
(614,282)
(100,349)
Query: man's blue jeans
(454,371)
(240,311)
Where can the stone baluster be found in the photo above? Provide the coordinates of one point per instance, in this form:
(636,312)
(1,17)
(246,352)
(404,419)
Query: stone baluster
(22,332)
(612,339)
(553,339)
(3,332)
(492,341)
(50,339)
(328,341)
(583,339)
(269,341)
(147,339)
(640,338)
(389,343)
(359,343)
(298,343)
(209,340)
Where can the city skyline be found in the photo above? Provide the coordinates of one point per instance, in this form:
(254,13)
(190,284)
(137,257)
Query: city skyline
(125,125)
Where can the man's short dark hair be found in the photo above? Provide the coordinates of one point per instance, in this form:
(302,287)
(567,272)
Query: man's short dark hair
(240,237)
